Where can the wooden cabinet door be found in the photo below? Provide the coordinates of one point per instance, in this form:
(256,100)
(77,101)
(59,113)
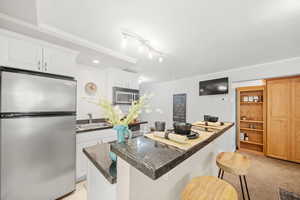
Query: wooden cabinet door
(278,114)
(295,120)
(24,54)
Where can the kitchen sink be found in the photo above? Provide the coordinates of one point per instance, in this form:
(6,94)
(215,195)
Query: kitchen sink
(92,126)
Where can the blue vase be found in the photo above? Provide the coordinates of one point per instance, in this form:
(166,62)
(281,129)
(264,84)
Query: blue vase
(122,131)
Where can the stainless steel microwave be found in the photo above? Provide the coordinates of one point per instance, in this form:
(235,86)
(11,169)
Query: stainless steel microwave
(124,96)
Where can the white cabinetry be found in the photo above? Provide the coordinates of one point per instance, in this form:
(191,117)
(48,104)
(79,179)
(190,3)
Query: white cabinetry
(120,78)
(88,139)
(3,50)
(57,61)
(97,186)
(22,52)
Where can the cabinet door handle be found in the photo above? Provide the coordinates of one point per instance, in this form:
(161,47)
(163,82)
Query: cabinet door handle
(45,64)
(39,65)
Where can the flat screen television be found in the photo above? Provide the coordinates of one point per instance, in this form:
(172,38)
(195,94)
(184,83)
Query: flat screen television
(214,86)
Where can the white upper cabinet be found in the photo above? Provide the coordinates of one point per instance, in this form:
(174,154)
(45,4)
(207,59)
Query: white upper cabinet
(24,54)
(134,82)
(120,78)
(3,50)
(58,61)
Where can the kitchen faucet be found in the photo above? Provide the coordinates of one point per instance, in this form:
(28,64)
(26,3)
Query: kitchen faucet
(90,117)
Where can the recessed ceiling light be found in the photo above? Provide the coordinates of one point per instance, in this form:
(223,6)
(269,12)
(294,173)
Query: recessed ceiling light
(96,61)
(160,59)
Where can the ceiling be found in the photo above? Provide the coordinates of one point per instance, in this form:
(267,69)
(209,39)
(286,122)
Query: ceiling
(198,36)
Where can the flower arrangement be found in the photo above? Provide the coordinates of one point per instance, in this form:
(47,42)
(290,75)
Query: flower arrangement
(114,114)
(117,118)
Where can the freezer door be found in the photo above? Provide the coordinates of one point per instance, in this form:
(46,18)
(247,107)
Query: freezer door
(37,157)
(33,93)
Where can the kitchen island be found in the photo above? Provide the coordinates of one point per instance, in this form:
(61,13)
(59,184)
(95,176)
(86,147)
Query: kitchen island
(147,169)
(101,173)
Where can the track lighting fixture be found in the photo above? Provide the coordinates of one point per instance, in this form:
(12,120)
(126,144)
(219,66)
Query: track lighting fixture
(143,44)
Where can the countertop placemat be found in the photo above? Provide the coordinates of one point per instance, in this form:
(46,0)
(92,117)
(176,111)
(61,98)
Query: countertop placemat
(211,125)
(203,135)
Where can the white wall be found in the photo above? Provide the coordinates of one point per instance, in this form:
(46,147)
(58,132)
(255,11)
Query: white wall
(219,105)
(85,74)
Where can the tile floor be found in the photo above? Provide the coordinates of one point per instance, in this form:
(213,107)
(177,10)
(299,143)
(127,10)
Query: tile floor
(79,194)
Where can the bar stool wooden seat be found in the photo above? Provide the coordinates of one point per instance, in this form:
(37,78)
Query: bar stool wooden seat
(234,163)
(208,188)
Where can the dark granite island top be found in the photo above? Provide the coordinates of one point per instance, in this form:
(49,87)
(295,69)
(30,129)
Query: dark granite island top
(99,156)
(155,159)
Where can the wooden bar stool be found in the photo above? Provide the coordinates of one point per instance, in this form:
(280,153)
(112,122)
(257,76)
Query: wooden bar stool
(234,163)
(208,188)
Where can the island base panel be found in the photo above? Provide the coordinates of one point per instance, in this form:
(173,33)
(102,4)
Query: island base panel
(98,188)
(134,185)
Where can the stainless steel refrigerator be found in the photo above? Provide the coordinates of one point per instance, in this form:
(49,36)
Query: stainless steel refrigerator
(37,135)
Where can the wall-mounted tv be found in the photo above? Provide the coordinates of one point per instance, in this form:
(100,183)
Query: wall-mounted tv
(214,86)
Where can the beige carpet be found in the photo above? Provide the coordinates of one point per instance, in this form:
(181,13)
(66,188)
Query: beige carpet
(265,177)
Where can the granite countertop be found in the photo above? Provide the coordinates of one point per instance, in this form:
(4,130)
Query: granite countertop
(99,156)
(155,159)
(105,127)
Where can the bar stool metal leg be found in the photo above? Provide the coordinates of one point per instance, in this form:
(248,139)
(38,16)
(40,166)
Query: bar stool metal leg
(241,182)
(246,187)
(222,174)
(219,174)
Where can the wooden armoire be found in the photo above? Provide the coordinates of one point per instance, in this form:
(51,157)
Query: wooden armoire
(283,118)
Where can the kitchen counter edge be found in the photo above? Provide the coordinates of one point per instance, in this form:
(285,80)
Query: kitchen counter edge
(147,168)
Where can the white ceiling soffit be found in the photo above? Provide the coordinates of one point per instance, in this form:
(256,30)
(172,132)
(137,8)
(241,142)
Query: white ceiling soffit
(25,10)
(199,36)
(16,17)
(83,42)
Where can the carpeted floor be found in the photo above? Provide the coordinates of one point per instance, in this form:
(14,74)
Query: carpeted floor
(266,176)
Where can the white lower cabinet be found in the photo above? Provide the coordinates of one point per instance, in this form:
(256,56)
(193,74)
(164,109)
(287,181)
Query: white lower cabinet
(98,188)
(88,139)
